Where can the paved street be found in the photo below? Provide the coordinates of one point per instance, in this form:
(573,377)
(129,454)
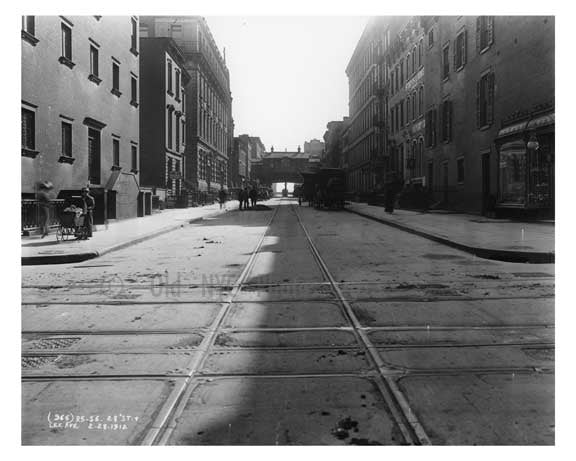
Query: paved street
(288,325)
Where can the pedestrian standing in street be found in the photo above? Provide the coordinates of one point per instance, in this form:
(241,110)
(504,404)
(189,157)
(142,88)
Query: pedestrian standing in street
(43,198)
(222,197)
(88,205)
(240,198)
(253,196)
(246,197)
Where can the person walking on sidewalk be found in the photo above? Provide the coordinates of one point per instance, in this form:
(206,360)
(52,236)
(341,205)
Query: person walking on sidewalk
(88,205)
(392,189)
(240,198)
(43,198)
(222,197)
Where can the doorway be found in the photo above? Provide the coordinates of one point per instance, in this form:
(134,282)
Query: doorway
(486,200)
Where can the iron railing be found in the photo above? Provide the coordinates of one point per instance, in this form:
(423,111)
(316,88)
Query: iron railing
(31,214)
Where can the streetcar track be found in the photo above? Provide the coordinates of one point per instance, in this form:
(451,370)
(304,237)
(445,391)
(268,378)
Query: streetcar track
(391,299)
(159,431)
(187,350)
(412,431)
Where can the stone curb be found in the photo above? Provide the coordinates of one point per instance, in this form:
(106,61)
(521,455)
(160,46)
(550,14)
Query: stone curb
(84,256)
(533,257)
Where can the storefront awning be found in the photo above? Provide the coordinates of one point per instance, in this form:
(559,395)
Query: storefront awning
(512,129)
(517,146)
(542,121)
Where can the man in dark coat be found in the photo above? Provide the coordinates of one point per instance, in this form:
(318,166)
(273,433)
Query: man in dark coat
(245,197)
(88,205)
(253,196)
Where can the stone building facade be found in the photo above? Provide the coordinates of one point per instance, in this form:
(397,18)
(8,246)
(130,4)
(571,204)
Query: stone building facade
(80,110)
(209,101)
(489,92)
(163,119)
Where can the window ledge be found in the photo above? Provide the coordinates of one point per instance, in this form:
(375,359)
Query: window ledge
(134,103)
(134,51)
(134,170)
(116,92)
(116,168)
(483,50)
(66,159)
(95,79)
(484,127)
(459,68)
(29,38)
(30,153)
(67,62)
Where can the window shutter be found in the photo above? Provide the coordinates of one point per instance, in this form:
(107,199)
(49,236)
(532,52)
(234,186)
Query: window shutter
(450,119)
(427,128)
(464,47)
(433,127)
(478,86)
(478,33)
(490,99)
(490,27)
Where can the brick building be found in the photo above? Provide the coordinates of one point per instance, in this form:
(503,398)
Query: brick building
(405,101)
(489,89)
(208,101)
(163,79)
(314,146)
(241,155)
(80,111)
(364,146)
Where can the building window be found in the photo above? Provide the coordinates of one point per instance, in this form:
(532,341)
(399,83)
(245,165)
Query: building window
(460,51)
(169,78)
(414,114)
(431,38)
(177,133)
(116,152)
(401,72)
(93,156)
(177,84)
(183,132)
(29,29)
(447,121)
(484,32)
(183,102)
(414,51)
(169,128)
(94,65)
(134,91)
(408,107)
(29,25)
(460,170)
(134,159)
(420,101)
(431,128)
(28,129)
(420,53)
(401,114)
(66,57)
(116,79)
(485,100)
(407,66)
(445,61)
(134,37)
(66,139)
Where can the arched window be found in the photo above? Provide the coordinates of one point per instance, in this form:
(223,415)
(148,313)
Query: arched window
(414,60)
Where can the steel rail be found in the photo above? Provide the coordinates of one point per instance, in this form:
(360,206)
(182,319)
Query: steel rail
(404,417)
(161,427)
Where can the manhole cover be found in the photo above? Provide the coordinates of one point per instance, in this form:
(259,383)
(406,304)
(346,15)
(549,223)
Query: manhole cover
(37,361)
(54,343)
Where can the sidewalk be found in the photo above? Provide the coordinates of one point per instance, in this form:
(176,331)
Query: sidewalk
(498,239)
(118,235)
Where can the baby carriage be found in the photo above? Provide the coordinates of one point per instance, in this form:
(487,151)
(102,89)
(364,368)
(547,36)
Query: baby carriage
(71,224)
